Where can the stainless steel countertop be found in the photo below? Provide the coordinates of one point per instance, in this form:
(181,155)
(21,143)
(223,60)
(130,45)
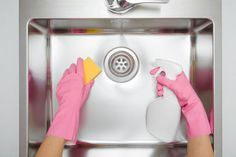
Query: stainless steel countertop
(80,9)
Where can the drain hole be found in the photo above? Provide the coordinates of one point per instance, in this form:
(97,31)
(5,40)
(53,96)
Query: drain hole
(121,64)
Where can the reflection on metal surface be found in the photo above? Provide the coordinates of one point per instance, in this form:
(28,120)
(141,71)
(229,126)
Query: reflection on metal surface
(114,115)
(37,85)
(126,151)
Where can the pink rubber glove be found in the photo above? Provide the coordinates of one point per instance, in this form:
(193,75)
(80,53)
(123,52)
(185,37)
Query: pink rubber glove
(212,119)
(71,95)
(192,108)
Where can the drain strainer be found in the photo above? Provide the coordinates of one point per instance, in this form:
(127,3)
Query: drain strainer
(121,64)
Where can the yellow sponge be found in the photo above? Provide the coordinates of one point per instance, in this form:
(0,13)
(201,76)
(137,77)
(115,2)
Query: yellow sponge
(91,70)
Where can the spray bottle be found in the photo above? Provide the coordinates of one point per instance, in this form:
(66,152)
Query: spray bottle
(163,114)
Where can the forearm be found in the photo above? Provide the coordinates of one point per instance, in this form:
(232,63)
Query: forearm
(200,147)
(51,147)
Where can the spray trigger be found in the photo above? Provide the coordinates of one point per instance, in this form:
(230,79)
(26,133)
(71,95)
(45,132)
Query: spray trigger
(158,71)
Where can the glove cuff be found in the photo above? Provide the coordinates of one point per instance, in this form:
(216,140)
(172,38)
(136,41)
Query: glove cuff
(65,125)
(197,121)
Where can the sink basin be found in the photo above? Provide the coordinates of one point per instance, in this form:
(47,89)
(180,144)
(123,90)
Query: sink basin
(114,114)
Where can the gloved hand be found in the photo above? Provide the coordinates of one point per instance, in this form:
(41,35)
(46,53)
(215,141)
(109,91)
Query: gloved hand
(212,119)
(71,95)
(192,108)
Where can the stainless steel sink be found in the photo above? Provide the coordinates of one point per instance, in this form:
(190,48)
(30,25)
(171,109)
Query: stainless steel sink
(116,109)
(125,47)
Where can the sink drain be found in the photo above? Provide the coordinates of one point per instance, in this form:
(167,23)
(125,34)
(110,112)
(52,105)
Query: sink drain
(121,64)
